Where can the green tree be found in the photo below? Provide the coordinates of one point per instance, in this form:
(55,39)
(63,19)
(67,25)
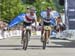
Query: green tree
(39,4)
(42,5)
(10,8)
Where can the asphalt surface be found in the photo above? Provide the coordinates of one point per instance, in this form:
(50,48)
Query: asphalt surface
(12,47)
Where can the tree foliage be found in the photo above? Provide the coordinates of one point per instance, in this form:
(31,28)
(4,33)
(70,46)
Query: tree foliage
(11,8)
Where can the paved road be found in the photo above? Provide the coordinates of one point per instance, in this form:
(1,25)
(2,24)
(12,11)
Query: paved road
(13,47)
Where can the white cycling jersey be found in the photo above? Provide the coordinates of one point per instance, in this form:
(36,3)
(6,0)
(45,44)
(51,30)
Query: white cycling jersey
(30,17)
(53,14)
(44,15)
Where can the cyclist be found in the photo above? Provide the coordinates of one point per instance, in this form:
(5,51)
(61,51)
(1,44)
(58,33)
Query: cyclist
(46,20)
(30,17)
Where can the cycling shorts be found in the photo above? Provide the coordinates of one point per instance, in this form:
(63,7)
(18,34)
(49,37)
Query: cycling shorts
(26,24)
(46,23)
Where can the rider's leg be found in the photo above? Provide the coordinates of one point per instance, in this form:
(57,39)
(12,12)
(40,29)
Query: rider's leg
(48,33)
(35,30)
(22,35)
(42,34)
(30,32)
(48,36)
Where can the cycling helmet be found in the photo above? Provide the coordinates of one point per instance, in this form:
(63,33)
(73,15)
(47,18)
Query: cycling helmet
(32,9)
(49,8)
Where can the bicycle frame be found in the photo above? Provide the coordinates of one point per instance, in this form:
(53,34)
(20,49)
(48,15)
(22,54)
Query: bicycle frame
(26,37)
(46,34)
(47,30)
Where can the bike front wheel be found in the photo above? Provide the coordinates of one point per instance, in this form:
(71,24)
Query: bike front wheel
(44,40)
(25,40)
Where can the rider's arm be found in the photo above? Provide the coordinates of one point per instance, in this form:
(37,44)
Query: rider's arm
(35,20)
(41,21)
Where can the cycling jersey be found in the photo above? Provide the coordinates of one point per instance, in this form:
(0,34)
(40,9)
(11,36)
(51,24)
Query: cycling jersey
(28,18)
(49,19)
(54,14)
(44,15)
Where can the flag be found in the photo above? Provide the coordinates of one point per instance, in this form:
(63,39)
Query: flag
(20,18)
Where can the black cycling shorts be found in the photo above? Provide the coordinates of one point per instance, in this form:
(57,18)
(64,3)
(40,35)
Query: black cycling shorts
(26,24)
(46,23)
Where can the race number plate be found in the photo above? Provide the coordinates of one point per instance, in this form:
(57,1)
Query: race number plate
(47,27)
(28,27)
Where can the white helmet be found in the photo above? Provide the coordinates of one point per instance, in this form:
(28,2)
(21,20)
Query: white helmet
(32,9)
